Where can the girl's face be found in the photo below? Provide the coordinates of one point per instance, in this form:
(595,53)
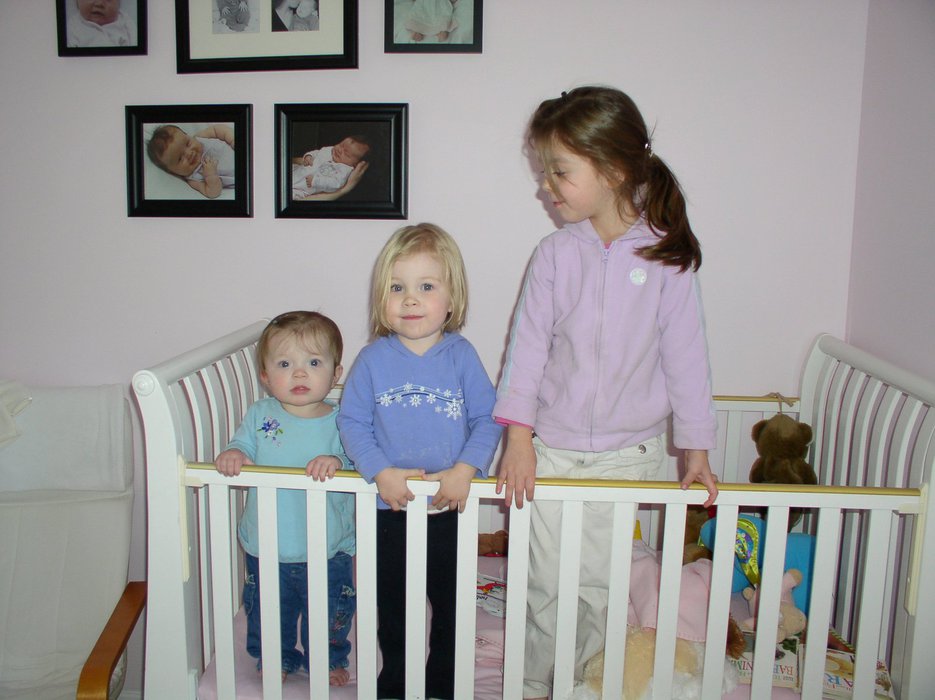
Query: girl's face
(299,375)
(182,154)
(419,301)
(580,192)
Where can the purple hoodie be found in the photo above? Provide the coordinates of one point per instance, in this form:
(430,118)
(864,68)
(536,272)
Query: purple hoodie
(605,345)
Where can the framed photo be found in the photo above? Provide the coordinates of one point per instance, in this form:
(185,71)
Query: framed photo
(433,26)
(189,160)
(341,161)
(247,35)
(101,27)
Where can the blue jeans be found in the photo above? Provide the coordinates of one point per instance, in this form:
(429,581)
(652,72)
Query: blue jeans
(293,606)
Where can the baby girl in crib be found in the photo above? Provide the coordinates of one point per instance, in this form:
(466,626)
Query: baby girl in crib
(299,354)
(205,159)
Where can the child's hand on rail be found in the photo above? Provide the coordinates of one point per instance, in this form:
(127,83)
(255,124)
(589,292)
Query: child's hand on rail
(454,486)
(323,467)
(230,462)
(391,483)
(517,471)
(698,469)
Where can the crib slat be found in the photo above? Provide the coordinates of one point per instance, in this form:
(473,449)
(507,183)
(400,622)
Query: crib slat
(868,631)
(819,610)
(719,602)
(366,583)
(269,594)
(517,579)
(567,608)
(416,540)
(218,509)
(316,530)
(671,584)
(771,571)
(466,604)
(617,602)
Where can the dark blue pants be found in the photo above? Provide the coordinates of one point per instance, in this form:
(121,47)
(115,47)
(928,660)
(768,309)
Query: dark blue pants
(293,607)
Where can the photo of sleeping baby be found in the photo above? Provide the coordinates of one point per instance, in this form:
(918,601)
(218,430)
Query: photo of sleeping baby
(295,15)
(187,161)
(333,160)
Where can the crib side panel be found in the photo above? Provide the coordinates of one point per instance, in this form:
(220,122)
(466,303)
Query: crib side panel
(189,407)
(875,426)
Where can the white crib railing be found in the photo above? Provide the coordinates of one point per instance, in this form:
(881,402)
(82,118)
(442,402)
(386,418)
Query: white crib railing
(874,425)
(883,507)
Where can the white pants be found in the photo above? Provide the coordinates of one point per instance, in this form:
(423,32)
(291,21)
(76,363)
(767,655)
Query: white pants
(636,463)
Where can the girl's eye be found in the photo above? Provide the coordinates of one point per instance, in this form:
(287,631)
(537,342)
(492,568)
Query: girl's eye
(314,363)
(396,287)
(427,286)
(283,364)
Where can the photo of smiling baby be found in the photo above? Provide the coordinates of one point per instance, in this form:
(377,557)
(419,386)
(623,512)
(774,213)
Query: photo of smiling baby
(203,158)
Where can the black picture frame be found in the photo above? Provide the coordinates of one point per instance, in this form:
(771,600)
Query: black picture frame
(465,37)
(382,190)
(153,191)
(205,44)
(77,37)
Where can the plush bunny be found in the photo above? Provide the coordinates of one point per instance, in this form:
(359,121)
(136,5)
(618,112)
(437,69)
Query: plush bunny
(791,619)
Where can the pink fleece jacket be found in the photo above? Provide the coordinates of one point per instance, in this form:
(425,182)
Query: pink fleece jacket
(605,345)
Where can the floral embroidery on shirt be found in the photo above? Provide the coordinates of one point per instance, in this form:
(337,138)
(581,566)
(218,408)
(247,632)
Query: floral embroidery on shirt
(413,396)
(270,429)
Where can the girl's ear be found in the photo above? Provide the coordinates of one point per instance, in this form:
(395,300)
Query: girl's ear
(264,379)
(338,371)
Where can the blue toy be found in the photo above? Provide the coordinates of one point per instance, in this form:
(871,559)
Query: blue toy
(748,551)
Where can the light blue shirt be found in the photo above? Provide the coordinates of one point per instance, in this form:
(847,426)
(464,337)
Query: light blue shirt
(271,436)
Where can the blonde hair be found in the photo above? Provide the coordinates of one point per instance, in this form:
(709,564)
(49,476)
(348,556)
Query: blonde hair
(409,240)
(310,327)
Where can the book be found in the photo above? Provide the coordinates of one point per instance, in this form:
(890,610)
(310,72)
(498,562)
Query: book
(839,677)
(785,662)
(491,594)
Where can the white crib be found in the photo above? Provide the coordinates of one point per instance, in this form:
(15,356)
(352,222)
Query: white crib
(874,450)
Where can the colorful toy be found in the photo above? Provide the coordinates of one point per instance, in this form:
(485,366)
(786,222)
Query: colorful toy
(748,554)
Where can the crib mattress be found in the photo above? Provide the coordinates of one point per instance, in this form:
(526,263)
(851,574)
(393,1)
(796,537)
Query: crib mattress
(488,662)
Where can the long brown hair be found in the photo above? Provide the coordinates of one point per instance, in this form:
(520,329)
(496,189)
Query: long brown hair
(605,126)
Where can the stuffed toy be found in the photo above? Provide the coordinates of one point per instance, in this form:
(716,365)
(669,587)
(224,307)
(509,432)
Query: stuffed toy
(693,549)
(782,444)
(493,544)
(748,553)
(791,619)
(641,636)
(638,669)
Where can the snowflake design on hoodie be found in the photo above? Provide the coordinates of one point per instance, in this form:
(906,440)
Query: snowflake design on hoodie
(409,395)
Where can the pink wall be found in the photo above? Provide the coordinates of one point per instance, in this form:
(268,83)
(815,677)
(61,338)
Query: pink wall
(891,308)
(755,105)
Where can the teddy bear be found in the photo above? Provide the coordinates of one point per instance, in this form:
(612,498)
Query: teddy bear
(493,544)
(791,619)
(782,445)
(641,636)
(639,657)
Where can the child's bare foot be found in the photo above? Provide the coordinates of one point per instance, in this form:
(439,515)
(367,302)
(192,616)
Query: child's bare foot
(338,676)
(416,36)
(443,36)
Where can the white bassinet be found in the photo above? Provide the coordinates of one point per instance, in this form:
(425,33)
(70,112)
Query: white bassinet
(874,450)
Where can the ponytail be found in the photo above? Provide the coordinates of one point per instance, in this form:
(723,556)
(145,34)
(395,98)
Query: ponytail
(663,205)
